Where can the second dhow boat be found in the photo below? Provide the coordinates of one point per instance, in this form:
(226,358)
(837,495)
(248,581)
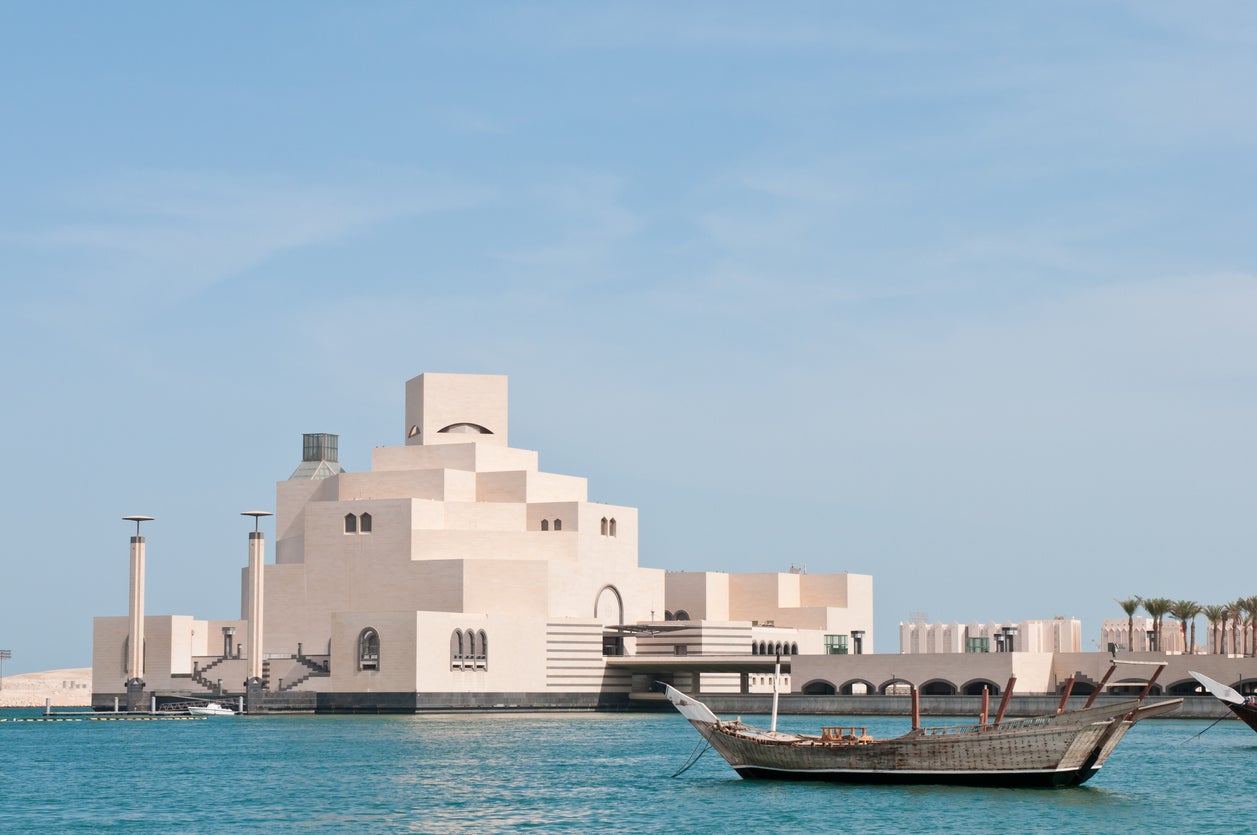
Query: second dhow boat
(1063,749)
(1244,708)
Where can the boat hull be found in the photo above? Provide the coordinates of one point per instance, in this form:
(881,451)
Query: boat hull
(1048,779)
(1246,713)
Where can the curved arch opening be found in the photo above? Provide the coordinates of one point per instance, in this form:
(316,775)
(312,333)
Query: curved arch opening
(938,687)
(368,649)
(974,687)
(465,429)
(457,651)
(1185,687)
(896,687)
(857,687)
(611,595)
(1133,687)
(819,687)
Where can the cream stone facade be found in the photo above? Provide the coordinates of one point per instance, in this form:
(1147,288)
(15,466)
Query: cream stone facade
(1115,631)
(1060,634)
(457,573)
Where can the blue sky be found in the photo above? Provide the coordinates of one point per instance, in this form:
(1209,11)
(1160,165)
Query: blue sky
(962,297)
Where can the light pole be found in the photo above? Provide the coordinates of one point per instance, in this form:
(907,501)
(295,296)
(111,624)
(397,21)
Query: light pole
(135,618)
(253,641)
(4,653)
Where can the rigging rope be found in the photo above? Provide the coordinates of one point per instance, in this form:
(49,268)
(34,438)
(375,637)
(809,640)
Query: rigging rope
(1197,736)
(694,757)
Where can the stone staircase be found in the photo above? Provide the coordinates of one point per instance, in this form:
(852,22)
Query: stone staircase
(198,675)
(295,669)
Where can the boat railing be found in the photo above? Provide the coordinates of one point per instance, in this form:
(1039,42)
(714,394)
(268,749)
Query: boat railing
(1008,724)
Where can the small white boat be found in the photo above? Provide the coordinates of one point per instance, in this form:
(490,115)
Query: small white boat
(210,709)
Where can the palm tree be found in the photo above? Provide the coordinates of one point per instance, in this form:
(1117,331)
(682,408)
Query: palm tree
(1233,611)
(1215,614)
(1184,611)
(1130,605)
(1157,607)
(1249,605)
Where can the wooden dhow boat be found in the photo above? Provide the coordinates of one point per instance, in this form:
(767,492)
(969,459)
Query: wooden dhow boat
(1062,749)
(1245,709)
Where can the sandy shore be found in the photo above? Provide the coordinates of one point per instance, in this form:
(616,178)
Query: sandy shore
(66,688)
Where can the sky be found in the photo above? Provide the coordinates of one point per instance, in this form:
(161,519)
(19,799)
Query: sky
(961,296)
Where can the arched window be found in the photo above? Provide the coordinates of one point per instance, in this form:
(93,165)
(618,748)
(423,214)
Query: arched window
(558,524)
(351,523)
(682,614)
(754,648)
(482,650)
(545,524)
(465,429)
(364,523)
(794,649)
(604,526)
(369,649)
(613,527)
(667,615)
(456,650)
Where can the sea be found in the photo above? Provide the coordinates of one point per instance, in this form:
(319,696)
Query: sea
(572,772)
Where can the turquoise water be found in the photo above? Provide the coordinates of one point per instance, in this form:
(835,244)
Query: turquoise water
(486,773)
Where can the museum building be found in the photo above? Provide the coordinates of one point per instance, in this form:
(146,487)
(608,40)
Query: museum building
(457,574)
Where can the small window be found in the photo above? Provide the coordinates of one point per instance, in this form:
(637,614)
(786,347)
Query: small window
(414,430)
(482,650)
(364,525)
(682,615)
(351,523)
(465,429)
(545,524)
(604,526)
(558,524)
(613,527)
(457,652)
(369,650)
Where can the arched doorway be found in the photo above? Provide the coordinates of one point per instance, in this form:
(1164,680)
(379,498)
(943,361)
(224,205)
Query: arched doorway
(609,608)
(974,687)
(938,687)
(857,687)
(819,687)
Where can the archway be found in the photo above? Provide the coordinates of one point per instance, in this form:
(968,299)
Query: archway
(609,596)
(938,687)
(896,687)
(857,687)
(974,687)
(819,687)
(1185,687)
(1133,687)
